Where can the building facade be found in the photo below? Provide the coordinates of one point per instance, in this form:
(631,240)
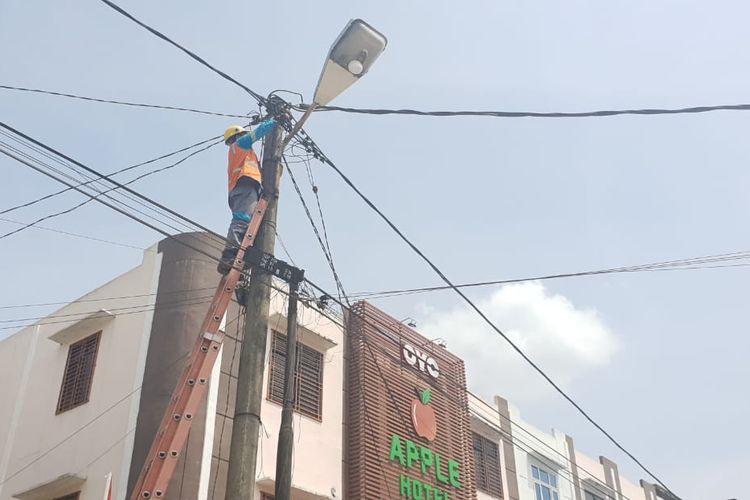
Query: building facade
(381,411)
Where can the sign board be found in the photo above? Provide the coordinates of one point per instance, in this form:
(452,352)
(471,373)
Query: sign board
(407,424)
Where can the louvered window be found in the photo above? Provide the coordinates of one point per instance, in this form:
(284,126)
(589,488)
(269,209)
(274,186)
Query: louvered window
(79,372)
(308,383)
(487,465)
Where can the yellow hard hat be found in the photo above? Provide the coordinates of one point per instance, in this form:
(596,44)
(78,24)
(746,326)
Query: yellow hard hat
(232,131)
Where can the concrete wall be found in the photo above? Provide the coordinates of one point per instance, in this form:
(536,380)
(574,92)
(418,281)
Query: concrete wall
(32,366)
(554,451)
(316,442)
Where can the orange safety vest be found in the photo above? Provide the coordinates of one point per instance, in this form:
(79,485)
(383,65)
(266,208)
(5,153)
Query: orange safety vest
(242,163)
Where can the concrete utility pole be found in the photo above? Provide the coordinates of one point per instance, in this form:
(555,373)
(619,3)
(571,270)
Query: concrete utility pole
(283,487)
(246,427)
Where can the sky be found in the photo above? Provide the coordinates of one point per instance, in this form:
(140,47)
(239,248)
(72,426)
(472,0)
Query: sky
(659,358)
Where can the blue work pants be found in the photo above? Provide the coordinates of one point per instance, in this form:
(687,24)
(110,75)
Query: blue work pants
(242,201)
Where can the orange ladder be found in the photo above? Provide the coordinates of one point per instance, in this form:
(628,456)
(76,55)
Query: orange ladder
(191,387)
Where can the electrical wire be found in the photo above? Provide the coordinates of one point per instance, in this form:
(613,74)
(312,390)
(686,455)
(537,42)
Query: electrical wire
(410,112)
(122,103)
(147,309)
(534,114)
(77,235)
(118,297)
(56,193)
(329,258)
(79,205)
(96,418)
(255,95)
(108,204)
(90,312)
(57,156)
(484,317)
(676,265)
(494,426)
(47,168)
(513,422)
(528,449)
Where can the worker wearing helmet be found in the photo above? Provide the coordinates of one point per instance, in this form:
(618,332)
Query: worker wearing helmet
(243,172)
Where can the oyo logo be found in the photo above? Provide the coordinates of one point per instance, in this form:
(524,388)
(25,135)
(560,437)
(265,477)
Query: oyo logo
(420,360)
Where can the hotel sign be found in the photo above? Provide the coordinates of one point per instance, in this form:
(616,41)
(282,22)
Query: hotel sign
(407,426)
(420,360)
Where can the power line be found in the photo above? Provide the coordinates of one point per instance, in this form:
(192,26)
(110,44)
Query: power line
(484,317)
(115,183)
(94,419)
(122,103)
(527,448)
(411,112)
(529,433)
(535,114)
(103,299)
(256,96)
(674,265)
(98,194)
(77,316)
(75,207)
(56,193)
(147,309)
(77,235)
(110,205)
(326,252)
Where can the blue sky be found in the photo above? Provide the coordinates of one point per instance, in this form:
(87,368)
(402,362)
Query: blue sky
(486,198)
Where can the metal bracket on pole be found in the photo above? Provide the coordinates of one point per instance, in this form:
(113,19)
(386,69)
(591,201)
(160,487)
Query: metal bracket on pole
(277,267)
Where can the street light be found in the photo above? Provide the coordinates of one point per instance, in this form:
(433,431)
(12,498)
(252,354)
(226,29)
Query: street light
(351,56)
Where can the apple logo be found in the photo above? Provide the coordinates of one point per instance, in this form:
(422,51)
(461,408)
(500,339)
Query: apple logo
(423,416)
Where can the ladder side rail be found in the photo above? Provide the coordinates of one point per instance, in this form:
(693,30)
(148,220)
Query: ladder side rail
(191,387)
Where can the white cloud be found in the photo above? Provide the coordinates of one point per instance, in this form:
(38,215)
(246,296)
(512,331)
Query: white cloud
(565,341)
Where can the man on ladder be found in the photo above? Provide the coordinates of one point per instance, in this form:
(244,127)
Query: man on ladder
(245,185)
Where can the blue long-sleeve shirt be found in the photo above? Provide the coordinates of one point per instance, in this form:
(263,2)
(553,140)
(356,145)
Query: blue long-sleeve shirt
(246,141)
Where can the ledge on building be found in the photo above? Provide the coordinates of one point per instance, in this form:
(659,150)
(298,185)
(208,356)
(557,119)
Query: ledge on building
(267,484)
(83,327)
(311,338)
(63,485)
(596,486)
(546,460)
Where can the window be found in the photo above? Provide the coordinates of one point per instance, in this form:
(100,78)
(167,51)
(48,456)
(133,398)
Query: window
(79,372)
(545,484)
(487,465)
(266,496)
(590,496)
(308,384)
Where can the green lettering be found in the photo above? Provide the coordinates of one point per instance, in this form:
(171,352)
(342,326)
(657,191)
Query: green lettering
(425,459)
(416,489)
(453,473)
(404,487)
(396,450)
(438,473)
(427,490)
(412,453)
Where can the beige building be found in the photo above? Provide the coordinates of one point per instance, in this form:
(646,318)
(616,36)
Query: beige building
(85,389)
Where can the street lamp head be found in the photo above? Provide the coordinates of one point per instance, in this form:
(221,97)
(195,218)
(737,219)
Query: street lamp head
(351,56)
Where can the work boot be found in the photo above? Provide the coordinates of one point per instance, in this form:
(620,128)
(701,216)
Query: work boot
(224,266)
(226,261)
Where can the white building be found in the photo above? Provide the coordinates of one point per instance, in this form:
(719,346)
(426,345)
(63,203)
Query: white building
(85,388)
